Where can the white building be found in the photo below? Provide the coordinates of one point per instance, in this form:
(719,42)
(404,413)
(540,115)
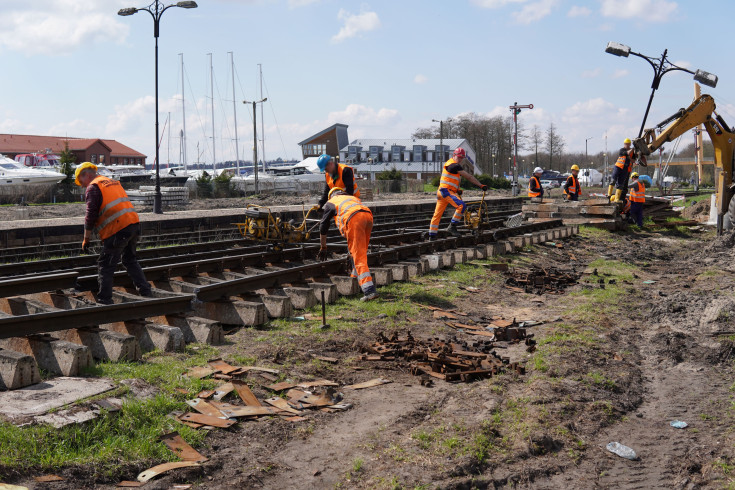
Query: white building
(416,158)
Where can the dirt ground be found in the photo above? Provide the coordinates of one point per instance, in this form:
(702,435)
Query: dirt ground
(645,338)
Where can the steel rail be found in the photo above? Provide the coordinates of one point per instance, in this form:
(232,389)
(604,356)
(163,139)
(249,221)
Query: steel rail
(15,287)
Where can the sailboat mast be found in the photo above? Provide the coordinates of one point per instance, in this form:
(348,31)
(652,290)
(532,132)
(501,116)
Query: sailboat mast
(234,111)
(211,87)
(262,123)
(168,145)
(183,115)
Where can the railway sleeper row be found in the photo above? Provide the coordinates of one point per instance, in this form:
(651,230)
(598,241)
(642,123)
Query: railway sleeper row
(198,307)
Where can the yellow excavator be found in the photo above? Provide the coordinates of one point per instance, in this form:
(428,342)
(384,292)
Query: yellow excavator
(701,111)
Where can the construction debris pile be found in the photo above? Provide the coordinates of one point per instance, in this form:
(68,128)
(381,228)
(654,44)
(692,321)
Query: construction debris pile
(449,360)
(540,280)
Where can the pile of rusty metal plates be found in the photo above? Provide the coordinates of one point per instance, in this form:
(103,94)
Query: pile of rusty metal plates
(540,280)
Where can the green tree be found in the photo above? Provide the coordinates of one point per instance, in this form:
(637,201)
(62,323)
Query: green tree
(204,185)
(64,188)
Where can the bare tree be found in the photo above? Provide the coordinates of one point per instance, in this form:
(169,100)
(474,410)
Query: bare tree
(554,144)
(536,139)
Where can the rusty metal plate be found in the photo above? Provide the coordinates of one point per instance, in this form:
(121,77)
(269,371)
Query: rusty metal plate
(204,407)
(180,447)
(282,404)
(222,391)
(199,372)
(163,468)
(129,484)
(368,384)
(221,366)
(283,385)
(202,419)
(247,396)
(47,478)
(317,383)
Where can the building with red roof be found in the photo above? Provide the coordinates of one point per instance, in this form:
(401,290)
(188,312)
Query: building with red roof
(95,150)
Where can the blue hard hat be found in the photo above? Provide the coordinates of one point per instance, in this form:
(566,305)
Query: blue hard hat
(323,161)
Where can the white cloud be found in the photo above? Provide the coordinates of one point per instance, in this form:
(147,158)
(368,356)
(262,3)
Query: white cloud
(592,73)
(493,4)
(620,73)
(577,11)
(292,4)
(683,64)
(354,24)
(644,10)
(533,12)
(420,79)
(59,26)
(77,128)
(363,115)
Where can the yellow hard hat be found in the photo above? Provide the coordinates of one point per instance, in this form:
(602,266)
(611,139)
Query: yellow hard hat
(333,190)
(575,167)
(83,166)
(634,175)
(627,141)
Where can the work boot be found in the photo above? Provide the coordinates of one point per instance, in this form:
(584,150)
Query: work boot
(452,229)
(370,294)
(618,196)
(609,191)
(432,238)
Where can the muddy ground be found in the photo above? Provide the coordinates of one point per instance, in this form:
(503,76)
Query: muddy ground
(644,338)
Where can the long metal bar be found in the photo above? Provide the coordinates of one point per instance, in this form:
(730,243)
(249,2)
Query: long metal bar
(23,325)
(15,287)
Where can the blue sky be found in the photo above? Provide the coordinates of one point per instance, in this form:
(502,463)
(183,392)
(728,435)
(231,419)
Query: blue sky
(383,67)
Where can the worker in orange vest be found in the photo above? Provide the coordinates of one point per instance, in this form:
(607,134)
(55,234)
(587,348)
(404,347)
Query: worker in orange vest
(637,198)
(572,189)
(355,222)
(336,175)
(627,156)
(534,183)
(110,214)
(449,191)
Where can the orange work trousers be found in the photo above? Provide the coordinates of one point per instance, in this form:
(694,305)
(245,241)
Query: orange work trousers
(445,197)
(357,233)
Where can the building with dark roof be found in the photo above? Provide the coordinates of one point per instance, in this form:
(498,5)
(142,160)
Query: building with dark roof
(95,150)
(327,141)
(415,158)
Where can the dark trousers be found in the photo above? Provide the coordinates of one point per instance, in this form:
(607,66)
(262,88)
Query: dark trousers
(636,212)
(573,197)
(620,178)
(121,245)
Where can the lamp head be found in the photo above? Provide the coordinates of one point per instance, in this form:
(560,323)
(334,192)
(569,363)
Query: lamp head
(187,5)
(617,49)
(705,78)
(127,11)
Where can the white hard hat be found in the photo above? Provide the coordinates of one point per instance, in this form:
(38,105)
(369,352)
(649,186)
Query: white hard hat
(538,170)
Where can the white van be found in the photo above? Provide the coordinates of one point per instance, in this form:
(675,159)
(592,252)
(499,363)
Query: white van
(589,177)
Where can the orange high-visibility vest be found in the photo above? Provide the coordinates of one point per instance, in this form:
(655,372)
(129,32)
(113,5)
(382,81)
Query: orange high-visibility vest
(538,185)
(347,206)
(449,180)
(620,163)
(575,187)
(638,192)
(116,212)
(339,182)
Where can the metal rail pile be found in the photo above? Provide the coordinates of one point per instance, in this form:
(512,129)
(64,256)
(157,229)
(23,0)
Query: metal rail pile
(448,360)
(540,280)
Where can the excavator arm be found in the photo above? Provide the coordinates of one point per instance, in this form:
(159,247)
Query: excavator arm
(701,111)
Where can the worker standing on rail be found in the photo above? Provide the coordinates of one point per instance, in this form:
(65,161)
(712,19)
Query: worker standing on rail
(534,183)
(110,214)
(448,193)
(572,189)
(355,222)
(637,198)
(337,175)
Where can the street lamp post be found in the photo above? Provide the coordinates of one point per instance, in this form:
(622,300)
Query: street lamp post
(441,143)
(586,158)
(255,138)
(661,66)
(494,165)
(156,9)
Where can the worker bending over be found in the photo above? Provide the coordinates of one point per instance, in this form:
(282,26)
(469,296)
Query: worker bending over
(355,222)
(637,198)
(337,175)
(572,189)
(110,214)
(448,193)
(621,171)
(534,183)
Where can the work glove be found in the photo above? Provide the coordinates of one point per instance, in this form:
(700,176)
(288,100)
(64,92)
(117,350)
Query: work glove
(322,255)
(459,192)
(483,187)
(85,246)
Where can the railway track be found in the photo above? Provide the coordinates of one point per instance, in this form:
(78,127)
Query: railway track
(199,289)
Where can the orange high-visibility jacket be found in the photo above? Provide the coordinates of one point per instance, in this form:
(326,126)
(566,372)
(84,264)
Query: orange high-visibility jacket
(346,206)
(538,186)
(332,183)
(574,187)
(116,212)
(638,192)
(625,160)
(449,180)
